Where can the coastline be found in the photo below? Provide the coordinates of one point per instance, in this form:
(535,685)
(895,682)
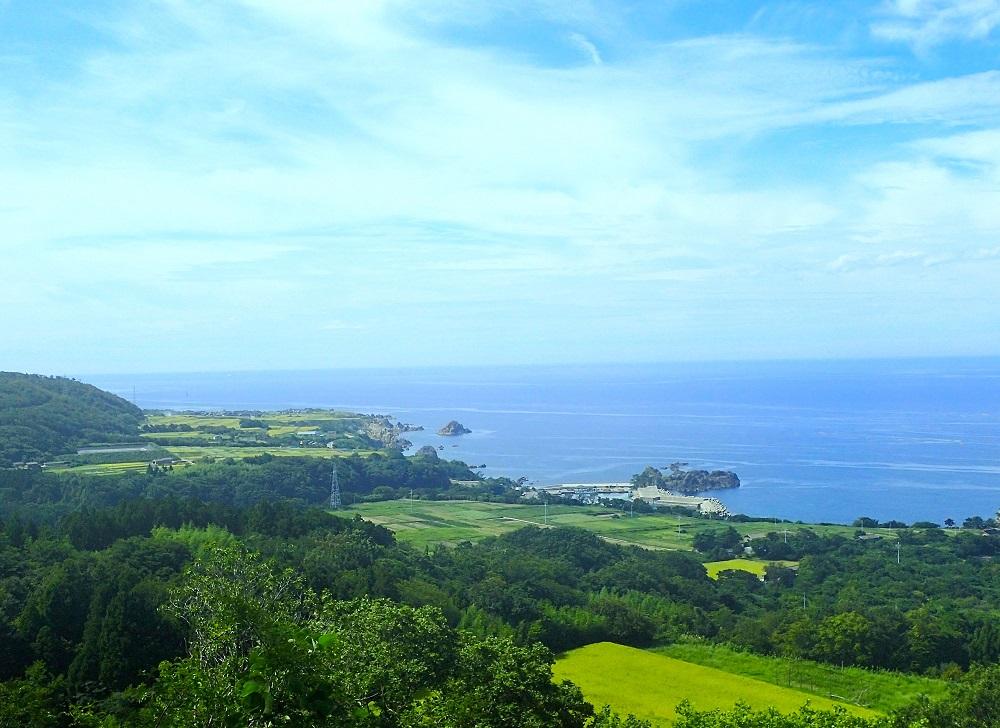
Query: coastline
(818,442)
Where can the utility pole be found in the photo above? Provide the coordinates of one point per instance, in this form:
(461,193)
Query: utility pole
(546,517)
(897,553)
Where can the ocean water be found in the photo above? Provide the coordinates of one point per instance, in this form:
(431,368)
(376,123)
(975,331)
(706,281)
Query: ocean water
(812,441)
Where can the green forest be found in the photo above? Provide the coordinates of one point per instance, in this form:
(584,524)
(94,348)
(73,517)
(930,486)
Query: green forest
(44,417)
(128,600)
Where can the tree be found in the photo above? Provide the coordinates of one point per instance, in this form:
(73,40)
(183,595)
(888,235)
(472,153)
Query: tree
(844,639)
(742,716)
(605,718)
(266,651)
(973,703)
(496,684)
(31,702)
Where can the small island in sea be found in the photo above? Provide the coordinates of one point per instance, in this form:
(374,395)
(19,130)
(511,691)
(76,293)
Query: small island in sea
(686,482)
(453,429)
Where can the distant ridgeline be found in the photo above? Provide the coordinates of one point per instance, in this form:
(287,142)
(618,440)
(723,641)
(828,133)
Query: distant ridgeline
(686,482)
(44,417)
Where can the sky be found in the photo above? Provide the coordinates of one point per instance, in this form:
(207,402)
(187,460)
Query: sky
(189,185)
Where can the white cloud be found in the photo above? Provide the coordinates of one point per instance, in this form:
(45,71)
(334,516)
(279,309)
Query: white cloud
(927,23)
(272,154)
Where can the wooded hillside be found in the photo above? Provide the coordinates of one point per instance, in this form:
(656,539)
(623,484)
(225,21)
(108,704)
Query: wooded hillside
(44,417)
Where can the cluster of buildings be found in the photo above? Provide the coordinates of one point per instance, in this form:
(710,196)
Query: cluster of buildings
(594,493)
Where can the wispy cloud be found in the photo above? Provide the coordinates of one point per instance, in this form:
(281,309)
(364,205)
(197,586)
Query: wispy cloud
(299,158)
(927,23)
(585,44)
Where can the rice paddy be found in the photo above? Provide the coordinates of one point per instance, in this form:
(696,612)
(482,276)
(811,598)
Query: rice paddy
(651,685)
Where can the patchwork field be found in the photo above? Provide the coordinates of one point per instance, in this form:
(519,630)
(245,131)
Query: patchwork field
(309,429)
(651,685)
(291,420)
(449,522)
(880,690)
(224,436)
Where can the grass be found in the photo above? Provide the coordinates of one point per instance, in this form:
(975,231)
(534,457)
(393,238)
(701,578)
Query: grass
(881,690)
(449,522)
(651,685)
(751,565)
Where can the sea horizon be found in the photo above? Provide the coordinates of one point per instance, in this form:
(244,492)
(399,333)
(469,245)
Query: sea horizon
(813,440)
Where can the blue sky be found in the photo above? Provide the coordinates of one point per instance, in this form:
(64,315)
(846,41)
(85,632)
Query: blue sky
(242,184)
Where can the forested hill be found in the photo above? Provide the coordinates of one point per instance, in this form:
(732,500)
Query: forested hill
(43,417)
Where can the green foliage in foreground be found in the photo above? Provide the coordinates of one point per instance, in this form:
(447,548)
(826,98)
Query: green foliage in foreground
(743,716)
(265,650)
(881,690)
(651,686)
(973,703)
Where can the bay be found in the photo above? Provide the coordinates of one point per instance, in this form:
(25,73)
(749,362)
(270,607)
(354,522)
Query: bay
(819,441)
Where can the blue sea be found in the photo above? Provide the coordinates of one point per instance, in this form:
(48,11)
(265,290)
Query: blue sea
(822,441)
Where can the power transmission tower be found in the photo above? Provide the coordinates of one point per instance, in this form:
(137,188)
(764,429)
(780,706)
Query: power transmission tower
(334,490)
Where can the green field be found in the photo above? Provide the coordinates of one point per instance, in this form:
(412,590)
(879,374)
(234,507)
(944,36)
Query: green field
(280,425)
(651,685)
(430,522)
(880,690)
(110,468)
(289,420)
(449,522)
(753,566)
(196,452)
